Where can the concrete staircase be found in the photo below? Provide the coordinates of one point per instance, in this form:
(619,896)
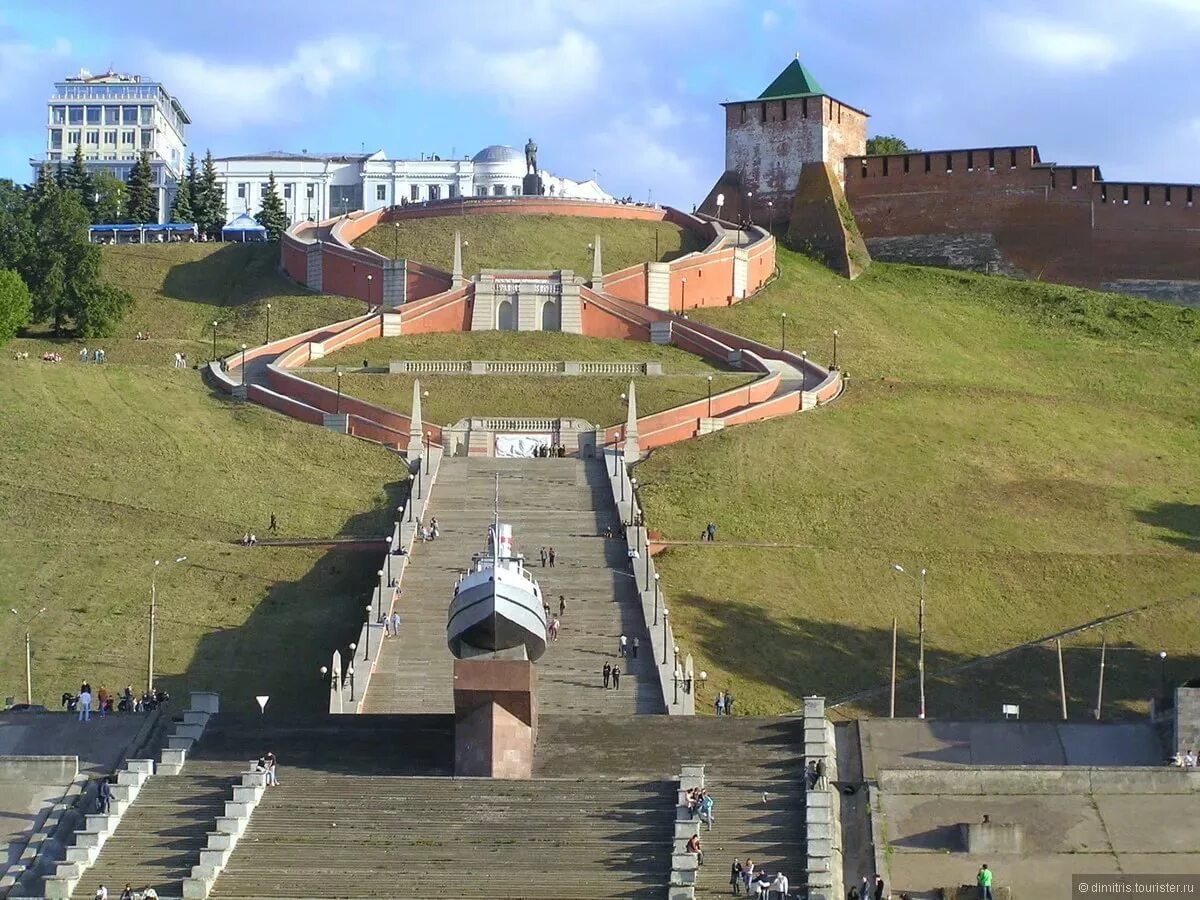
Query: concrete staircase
(321,835)
(549,502)
(160,837)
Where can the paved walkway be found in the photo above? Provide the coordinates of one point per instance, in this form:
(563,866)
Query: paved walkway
(549,502)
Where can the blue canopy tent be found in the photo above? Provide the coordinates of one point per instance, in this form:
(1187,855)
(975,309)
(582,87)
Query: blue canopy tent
(141,234)
(243,228)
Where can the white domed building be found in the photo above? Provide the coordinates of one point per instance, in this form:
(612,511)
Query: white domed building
(321,185)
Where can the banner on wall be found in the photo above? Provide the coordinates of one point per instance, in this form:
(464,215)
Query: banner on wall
(520,446)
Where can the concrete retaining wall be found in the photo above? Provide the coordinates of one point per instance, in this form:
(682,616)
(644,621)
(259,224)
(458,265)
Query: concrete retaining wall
(39,769)
(1025,780)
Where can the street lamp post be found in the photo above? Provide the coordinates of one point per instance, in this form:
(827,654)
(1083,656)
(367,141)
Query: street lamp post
(395,240)
(720,203)
(682,295)
(153,617)
(268,323)
(657,576)
(771,216)
(367,642)
(339,393)
(749,208)
(803,371)
(350,672)
(666,613)
(1162,659)
(637,535)
(370,278)
(920,638)
(243,363)
(835,348)
(28,653)
(214,350)
(782,332)
(428,438)
(710,396)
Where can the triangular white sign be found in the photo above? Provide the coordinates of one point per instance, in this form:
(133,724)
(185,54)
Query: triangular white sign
(262,701)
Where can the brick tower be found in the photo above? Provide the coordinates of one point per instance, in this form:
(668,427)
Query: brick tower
(769,138)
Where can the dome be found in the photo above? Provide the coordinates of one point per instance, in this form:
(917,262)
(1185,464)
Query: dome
(498,153)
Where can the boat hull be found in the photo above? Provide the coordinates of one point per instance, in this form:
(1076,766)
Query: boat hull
(491,616)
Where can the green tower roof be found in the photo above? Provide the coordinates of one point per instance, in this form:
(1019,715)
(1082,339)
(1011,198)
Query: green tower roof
(794,81)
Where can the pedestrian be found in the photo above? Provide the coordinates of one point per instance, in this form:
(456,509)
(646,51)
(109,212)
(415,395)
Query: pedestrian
(864,889)
(693,846)
(396,624)
(984,880)
(127,894)
(85,704)
(102,701)
(879,892)
(104,797)
(729,703)
(706,810)
(386,621)
(735,875)
(562,604)
(622,646)
(101,893)
(747,873)
(607,673)
(616,675)
(823,783)
(553,629)
(543,555)
(719,703)
(550,553)
(83,355)
(634,647)
(780,885)
(711,530)
(274,526)
(852,894)
(271,770)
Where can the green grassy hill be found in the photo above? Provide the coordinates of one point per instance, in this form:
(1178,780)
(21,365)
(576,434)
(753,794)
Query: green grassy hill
(530,242)
(1034,446)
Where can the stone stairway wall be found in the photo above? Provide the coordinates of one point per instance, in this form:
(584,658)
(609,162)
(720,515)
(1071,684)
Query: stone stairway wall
(549,502)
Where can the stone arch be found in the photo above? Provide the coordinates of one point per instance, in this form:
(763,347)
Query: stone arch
(506,315)
(551,315)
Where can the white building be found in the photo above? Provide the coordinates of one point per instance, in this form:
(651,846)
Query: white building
(114,118)
(319,186)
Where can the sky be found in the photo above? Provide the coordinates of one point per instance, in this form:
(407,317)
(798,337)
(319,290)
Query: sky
(627,90)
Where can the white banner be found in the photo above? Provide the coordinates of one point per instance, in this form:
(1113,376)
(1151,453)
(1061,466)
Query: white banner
(519,446)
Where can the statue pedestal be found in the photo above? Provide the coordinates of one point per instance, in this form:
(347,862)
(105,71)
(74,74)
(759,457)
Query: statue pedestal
(532,186)
(495,717)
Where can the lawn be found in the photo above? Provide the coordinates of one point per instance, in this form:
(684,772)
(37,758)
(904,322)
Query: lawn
(595,399)
(524,346)
(179,290)
(1035,447)
(530,242)
(111,467)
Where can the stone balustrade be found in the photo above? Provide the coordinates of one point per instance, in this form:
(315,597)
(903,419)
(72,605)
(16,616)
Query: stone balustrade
(229,829)
(513,367)
(685,866)
(822,807)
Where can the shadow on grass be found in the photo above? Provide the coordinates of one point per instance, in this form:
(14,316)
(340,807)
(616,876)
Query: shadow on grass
(295,627)
(235,275)
(851,665)
(1181,518)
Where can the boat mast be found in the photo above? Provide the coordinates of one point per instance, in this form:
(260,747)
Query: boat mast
(496,522)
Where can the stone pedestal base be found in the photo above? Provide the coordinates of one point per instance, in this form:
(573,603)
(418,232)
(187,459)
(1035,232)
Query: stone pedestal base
(495,710)
(531,186)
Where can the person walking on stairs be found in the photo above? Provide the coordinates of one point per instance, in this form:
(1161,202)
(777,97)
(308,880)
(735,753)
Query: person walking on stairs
(616,675)
(622,646)
(550,554)
(634,648)
(562,604)
(607,673)
(984,881)
(542,553)
(735,875)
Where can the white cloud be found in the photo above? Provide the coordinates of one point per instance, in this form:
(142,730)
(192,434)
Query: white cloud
(661,115)
(1056,45)
(548,76)
(770,20)
(645,162)
(22,65)
(227,95)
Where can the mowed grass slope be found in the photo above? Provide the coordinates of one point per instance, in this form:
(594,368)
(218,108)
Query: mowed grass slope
(530,242)
(522,345)
(1035,447)
(107,468)
(179,290)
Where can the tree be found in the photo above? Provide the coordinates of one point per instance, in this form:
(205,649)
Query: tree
(888,144)
(16,227)
(142,203)
(16,306)
(208,200)
(273,216)
(110,208)
(181,208)
(78,180)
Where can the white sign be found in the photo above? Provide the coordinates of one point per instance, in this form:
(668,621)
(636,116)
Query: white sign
(262,701)
(525,286)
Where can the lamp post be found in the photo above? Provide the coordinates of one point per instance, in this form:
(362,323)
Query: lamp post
(28,654)
(676,650)
(771,216)
(720,203)
(339,392)
(153,617)
(637,537)
(710,396)
(921,638)
(214,350)
(243,363)
(395,240)
(1162,658)
(367,644)
(657,576)
(350,672)
(749,208)
(682,295)
(370,278)
(428,438)
(666,612)
(621,478)
(268,323)
(835,348)
(803,371)
(782,332)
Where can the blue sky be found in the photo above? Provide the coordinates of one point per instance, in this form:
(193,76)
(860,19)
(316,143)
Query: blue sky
(628,88)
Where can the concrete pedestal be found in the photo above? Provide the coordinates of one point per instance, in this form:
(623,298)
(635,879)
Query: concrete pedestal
(495,709)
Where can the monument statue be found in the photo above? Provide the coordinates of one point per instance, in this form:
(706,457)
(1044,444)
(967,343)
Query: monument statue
(531,158)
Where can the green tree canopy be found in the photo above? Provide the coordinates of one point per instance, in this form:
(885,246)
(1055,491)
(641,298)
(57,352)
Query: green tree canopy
(16,227)
(142,202)
(181,208)
(16,306)
(113,200)
(273,216)
(208,200)
(888,144)
(77,180)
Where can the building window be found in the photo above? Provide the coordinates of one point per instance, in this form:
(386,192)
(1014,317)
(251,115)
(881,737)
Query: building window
(287,192)
(928,164)
(1074,179)
(72,137)
(763,111)
(949,163)
(381,192)
(127,138)
(129,115)
(435,192)
(93,137)
(110,138)
(991,160)
(743,110)
(885,165)
(75,115)
(147,139)
(804,108)
(414,192)
(970,160)
(783,110)
(58,115)
(480,190)
(262,189)
(93,115)
(906,165)
(56,138)
(498,190)
(112,115)
(147,116)
(242,191)
(1012,159)
(515,190)
(453,191)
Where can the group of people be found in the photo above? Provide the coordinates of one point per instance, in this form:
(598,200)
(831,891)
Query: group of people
(50,356)
(267,765)
(757,881)
(709,533)
(249,539)
(102,702)
(547,554)
(146,893)
(20,355)
(98,355)
(612,675)
(814,775)
(627,650)
(867,890)
(181,361)
(142,336)
(700,803)
(1186,759)
(391,624)
(723,703)
(430,532)
(550,451)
